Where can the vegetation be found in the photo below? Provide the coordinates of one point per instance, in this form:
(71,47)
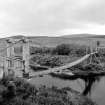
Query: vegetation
(51,60)
(56,56)
(62,54)
(15,91)
(47,60)
(87,69)
(62,49)
(40,50)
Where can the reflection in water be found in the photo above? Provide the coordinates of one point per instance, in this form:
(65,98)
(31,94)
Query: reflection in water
(89,82)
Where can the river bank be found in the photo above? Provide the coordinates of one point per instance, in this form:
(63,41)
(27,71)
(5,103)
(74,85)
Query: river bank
(17,91)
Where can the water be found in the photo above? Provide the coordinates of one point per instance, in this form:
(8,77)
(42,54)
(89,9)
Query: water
(97,92)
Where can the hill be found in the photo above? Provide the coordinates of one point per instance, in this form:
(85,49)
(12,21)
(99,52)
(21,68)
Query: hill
(81,39)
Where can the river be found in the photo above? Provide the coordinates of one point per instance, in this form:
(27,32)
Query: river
(97,92)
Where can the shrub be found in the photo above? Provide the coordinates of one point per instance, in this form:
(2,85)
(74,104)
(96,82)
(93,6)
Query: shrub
(70,49)
(80,51)
(63,49)
(41,50)
(50,61)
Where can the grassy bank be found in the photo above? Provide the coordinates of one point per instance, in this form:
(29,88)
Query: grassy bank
(19,92)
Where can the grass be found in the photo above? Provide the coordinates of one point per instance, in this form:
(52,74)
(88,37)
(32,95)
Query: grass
(16,91)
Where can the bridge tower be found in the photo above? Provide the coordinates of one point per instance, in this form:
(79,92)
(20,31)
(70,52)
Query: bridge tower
(11,64)
(26,54)
(7,62)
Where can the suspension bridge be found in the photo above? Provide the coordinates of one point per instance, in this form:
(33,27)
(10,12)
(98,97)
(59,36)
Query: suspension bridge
(13,62)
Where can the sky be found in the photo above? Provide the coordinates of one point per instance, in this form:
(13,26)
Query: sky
(51,17)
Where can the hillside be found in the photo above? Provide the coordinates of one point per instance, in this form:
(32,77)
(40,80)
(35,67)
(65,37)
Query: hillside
(85,35)
(81,39)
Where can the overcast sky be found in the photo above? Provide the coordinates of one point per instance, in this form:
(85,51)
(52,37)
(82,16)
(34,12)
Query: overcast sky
(51,17)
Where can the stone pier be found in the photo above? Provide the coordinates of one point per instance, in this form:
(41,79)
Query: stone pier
(26,54)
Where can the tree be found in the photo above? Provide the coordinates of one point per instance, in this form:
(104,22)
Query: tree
(63,49)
